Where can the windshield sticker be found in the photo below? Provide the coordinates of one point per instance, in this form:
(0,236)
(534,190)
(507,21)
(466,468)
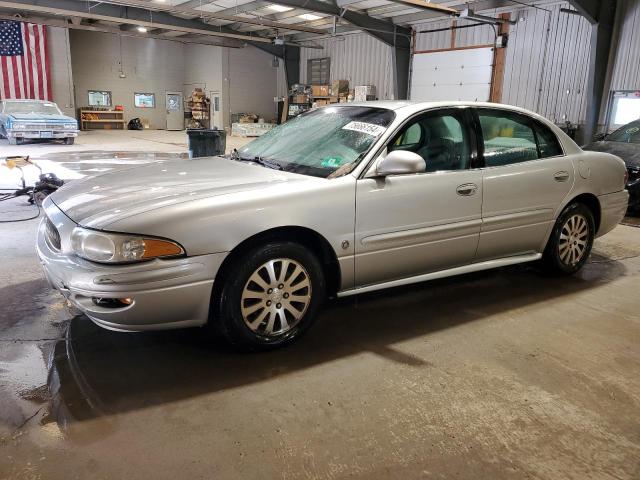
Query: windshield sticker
(331,162)
(632,130)
(362,127)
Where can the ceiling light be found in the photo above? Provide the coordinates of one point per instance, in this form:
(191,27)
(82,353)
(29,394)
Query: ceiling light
(309,16)
(142,29)
(279,8)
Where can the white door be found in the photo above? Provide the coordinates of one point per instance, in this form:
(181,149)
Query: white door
(452,75)
(175,116)
(408,225)
(216,112)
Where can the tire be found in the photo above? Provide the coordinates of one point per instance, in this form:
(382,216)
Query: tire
(571,241)
(14,141)
(248,309)
(69,140)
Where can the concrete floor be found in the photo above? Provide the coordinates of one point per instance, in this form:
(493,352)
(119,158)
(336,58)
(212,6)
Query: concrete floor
(499,374)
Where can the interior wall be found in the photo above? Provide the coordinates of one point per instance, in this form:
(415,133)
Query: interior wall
(149,66)
(359,58)
(204,69)
(253,82)
(60,67)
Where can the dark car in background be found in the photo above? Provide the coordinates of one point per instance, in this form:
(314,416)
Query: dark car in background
(625,143)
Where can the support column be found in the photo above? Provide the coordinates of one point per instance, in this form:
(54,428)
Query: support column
(601,38)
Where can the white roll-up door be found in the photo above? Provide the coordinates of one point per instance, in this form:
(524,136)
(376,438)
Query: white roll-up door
(452,75)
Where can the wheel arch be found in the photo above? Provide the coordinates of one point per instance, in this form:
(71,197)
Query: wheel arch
(304,236)
(592,203)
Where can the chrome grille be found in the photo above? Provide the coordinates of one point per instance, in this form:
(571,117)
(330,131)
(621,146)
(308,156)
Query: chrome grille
(53,236)
(44,126)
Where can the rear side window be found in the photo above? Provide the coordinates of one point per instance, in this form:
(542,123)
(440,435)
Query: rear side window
(547,142)
(512,138)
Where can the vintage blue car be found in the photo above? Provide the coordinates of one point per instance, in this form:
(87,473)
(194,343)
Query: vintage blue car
(22,120)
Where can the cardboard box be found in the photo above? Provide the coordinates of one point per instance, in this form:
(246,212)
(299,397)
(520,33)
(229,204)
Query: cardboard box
(322,102)
(300,99)
(333,99)
(364,93)
(320,90)
(339,86)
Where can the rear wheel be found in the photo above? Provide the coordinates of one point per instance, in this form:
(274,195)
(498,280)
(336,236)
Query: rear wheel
(69,140)
(571,240)
(270,296)
(14,141)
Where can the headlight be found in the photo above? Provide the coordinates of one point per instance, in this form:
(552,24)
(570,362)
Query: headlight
(70,126)
(117,248)
(18,126)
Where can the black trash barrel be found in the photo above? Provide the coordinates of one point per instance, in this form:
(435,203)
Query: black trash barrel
(204,142)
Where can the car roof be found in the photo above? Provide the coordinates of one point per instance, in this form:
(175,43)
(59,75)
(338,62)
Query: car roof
(414,105)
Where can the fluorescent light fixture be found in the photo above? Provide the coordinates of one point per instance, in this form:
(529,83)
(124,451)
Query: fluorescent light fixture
(142,29)
(309,16)
(279,8)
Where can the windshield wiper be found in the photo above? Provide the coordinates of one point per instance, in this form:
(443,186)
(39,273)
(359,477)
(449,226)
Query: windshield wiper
(235,155)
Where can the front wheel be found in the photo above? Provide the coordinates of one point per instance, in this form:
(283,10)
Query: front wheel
(270,296)
(69,141)
(571,240)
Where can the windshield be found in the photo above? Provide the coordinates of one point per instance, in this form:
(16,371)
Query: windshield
(324,142)
(630,133)
(45,108)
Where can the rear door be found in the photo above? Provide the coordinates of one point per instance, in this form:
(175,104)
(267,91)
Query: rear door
(411,224)
(525,178)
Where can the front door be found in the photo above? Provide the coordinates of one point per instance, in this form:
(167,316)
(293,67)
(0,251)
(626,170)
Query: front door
(216,112)
(525,179)
(407,225)
(175,115)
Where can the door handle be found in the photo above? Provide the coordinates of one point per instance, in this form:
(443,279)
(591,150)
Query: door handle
(467,189)
(561,176)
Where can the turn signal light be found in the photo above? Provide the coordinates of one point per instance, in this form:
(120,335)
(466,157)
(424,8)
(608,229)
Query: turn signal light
(159,248)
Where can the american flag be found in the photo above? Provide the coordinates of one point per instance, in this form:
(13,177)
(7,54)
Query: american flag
(24,62)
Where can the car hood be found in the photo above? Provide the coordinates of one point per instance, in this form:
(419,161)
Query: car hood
(629,152)
(103,199)
(41,117)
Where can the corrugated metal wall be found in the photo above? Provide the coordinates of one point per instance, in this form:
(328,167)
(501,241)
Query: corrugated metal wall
(359,58)
(626,73)
(546,64)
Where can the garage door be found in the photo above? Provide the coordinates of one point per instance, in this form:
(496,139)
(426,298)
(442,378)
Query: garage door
(452,75)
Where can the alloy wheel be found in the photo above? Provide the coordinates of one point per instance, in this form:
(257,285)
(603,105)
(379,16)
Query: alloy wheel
(574,237)
(276,297)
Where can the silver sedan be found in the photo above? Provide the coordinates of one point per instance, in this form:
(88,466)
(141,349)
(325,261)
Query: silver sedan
(344,199)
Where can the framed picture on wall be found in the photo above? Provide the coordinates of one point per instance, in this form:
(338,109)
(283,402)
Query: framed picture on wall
(144,100)
(99,98)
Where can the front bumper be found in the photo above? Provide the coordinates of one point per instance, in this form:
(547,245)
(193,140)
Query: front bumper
(44,134)
(165,293)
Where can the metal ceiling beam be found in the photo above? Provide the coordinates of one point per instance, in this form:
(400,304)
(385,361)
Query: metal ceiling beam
(128,15)
(433,7)
(429,15)
(189,12)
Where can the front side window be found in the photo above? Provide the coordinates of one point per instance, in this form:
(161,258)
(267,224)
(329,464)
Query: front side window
(325,142)
(439,138)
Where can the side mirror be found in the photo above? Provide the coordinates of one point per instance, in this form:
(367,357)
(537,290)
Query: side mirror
(400,162)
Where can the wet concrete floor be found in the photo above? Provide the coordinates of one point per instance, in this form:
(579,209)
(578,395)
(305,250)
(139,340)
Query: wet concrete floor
(499,374)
